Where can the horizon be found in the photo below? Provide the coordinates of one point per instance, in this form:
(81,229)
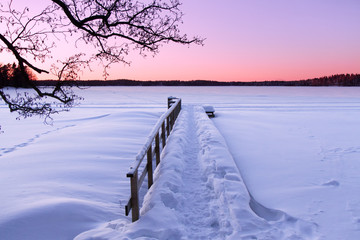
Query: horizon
(206,80)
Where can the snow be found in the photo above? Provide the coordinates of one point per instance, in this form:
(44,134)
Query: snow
(302,161)
(275,163)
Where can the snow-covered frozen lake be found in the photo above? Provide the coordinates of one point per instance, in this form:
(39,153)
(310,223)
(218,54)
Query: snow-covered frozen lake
(275,163)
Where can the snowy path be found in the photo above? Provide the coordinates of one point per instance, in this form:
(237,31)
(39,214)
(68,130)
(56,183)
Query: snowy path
(195,197)
(198,193)
(200,217)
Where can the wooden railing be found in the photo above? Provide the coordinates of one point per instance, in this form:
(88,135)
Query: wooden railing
(152,150)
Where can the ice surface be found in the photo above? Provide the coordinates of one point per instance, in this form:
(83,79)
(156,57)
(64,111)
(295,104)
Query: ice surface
(275,163)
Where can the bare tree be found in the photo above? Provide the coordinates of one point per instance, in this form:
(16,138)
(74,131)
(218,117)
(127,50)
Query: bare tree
(111,27)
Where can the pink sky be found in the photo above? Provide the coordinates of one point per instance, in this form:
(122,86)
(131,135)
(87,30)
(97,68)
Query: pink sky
(249,40)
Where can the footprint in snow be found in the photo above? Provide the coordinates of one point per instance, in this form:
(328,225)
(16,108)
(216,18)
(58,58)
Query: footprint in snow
(332,183)
(29,141)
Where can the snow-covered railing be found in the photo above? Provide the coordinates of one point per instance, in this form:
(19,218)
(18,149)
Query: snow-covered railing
(155,142)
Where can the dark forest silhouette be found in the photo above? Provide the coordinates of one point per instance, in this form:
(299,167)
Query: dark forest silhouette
(345,80)
(11,76)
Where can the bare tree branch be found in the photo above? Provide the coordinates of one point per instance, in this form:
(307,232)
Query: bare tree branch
(113,27)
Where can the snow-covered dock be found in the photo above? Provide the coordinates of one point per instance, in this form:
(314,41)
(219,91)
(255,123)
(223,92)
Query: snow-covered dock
(198,193)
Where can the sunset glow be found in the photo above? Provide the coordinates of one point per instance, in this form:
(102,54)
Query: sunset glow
(250,40)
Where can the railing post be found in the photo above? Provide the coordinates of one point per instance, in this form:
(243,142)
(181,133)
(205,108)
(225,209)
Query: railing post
(135,197)
(163,137)
(168,125)
(150,167)
(172,120)
(157,148)
(171,101)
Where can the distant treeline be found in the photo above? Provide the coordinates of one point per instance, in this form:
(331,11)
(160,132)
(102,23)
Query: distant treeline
(334,80)
(11,76)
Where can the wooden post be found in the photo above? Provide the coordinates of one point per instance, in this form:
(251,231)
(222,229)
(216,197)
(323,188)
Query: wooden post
(150,167)
(168,125)
(135,197)
(172,120)
(163,137)
(157,148)
(171,101)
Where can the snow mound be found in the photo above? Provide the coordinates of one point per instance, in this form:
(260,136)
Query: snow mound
(198,193)
(61,216)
